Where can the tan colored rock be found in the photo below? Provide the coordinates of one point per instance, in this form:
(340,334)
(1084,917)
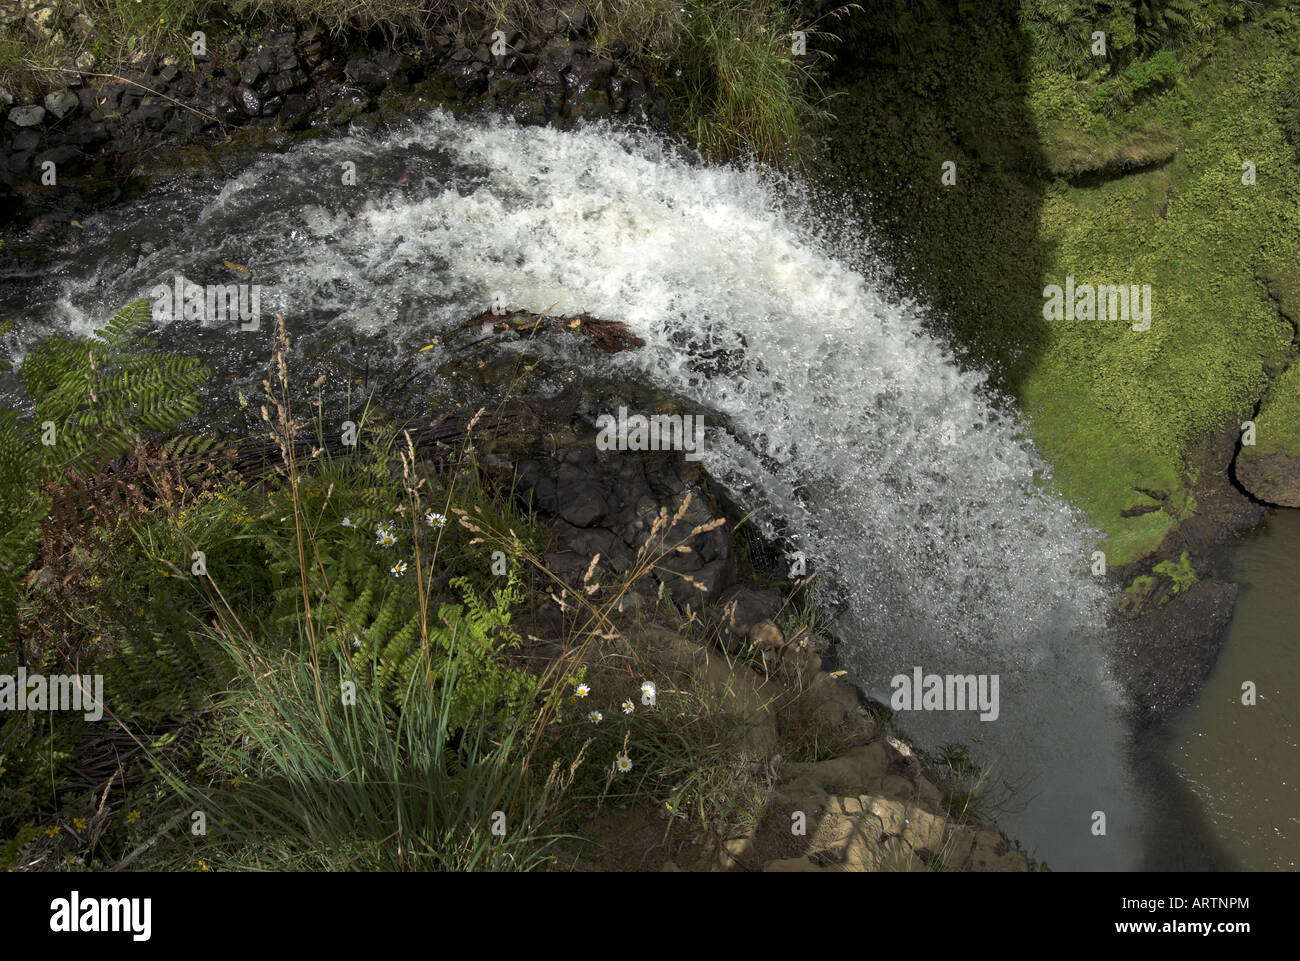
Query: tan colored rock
(928,795)
(851,772)
(765,636)
(992,852)
(924,831)
(832,701)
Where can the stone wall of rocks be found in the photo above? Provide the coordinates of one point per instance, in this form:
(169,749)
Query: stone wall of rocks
(97,131)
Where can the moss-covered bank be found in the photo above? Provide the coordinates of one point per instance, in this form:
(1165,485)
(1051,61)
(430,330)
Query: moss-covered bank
(1170,162)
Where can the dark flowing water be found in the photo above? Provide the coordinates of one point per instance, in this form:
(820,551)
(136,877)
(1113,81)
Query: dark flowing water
(1243,763)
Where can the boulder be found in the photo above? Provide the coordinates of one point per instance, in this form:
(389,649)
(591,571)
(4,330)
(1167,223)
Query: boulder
(28,116)
(1270,468)
(61,103)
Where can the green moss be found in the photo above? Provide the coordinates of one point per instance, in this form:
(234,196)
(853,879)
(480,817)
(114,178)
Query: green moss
(1277,426)
(1110,404)
(1154,196)
(1179,572)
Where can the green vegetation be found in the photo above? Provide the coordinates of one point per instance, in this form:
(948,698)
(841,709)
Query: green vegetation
(737,86)
(1179,572)
(1113,408)
(741,88)
(1125,168)
(967,793)
(318,649)
(1277,428)
(94,400)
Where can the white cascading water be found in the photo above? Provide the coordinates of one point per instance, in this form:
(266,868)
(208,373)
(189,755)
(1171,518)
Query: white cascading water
(917,500)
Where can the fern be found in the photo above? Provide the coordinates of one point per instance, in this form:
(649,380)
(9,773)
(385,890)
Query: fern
(95,398)
(377,630)
(102,394)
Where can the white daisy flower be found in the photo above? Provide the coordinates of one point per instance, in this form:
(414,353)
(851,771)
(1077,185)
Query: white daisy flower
(398,569)
(628,707)
(595,717)
(624,763)
(347,522)
(582,690)
(384,537)
(434,520)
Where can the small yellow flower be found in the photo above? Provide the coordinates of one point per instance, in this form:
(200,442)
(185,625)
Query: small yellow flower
(79,824)
(203,866)
(132,816)
(50,832)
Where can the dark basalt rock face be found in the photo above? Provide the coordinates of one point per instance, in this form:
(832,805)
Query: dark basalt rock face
(607,502)
(98,133)
(1164,658)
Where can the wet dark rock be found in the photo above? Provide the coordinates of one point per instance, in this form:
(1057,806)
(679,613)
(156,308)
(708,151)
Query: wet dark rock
(367,73)
(226,111)
(26,140)
(63,156)
(739,607)
(1164,657)
(183,124)
(266,60)
(248,102)
(608,503)
(394,63)
(352,101)
(91,135)
(581,502)
(151,116)
(250,72)
(312,49)
(295,112)
(288,80)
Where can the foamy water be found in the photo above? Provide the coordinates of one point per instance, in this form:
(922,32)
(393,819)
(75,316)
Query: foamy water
(868,449)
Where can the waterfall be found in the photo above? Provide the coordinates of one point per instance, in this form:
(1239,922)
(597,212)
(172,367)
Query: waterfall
(922,504)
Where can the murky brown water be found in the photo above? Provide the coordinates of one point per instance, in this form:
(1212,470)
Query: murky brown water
(1243,763)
